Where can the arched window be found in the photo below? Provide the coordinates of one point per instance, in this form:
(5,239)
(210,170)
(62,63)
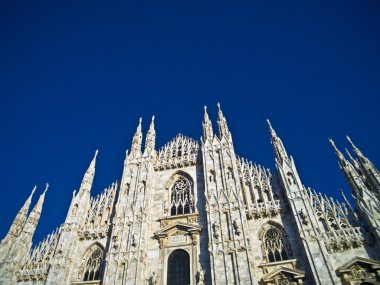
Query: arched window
(179,268)
(275,245)
(92,265)
(180,198)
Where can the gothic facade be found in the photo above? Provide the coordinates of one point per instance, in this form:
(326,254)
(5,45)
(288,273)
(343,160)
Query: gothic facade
(193,212)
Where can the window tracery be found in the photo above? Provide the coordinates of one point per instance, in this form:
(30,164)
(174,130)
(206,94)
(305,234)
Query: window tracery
(275,245)
(92,265)
(181,198)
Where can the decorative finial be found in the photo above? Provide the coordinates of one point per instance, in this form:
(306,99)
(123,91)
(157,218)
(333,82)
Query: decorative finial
(218,106)
(34,189)
(153,118)
(140,120)
(96,153)
(46,187)
(205,113)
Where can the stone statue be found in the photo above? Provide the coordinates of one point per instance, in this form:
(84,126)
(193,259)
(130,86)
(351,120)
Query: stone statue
(201,275)
(236,226)
(216,229)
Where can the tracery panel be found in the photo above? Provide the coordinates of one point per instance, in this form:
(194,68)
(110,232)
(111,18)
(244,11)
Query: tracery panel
(93,264)
(275,245)
(181,198)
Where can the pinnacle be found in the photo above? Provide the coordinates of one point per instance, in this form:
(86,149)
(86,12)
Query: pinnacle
(273,132)
(46,188)
(34,189)
(333,144)
(349,140)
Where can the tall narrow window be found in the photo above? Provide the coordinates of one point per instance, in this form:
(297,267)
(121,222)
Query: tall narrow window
(179,268)
(92,266)
(275,245)
(181,199)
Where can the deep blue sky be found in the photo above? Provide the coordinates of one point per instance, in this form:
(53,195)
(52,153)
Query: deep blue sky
(76,76)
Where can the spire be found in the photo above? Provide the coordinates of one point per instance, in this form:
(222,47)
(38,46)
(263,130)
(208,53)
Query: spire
(278,146)
(272,131)
(356,150)
(338,153)
(208,133)
(353,161)
(88,177)
(19,221)
(137,140)
(368,169)
(349,155)
(350,209)
(34,217)
(150,139)
(222,124)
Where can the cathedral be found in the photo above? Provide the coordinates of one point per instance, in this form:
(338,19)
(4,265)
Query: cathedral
(194,212)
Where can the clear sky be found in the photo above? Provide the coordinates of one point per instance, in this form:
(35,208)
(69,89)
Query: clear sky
(76,76)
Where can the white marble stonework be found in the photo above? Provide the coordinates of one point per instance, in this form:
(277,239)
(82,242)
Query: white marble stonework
(194,212)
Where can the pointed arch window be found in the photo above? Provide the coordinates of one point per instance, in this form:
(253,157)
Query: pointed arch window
(181,198)
(92,265)
(275,245)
